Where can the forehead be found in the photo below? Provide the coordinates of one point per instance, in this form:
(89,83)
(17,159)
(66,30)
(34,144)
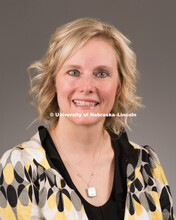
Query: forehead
(96,51)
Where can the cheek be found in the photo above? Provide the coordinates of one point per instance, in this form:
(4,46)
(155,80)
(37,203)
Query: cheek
(109,91)
(64,87)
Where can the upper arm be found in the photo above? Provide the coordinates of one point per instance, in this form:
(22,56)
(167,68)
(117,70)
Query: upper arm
(162,186)
(17,191)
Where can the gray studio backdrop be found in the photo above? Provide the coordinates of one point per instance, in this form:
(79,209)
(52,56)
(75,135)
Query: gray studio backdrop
(25,29)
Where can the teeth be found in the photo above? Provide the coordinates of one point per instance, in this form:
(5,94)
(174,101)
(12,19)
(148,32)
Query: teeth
(83,103)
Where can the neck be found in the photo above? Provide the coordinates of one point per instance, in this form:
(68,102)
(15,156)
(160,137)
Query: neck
(86,139)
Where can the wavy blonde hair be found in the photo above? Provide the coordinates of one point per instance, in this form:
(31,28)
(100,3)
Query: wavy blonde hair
(68,39)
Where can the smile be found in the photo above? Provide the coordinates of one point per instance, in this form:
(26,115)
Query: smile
(85,103)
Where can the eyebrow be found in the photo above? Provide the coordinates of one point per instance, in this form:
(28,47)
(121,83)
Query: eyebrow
(73,66)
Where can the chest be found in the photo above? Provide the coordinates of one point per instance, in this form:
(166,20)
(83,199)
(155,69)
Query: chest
(94,186)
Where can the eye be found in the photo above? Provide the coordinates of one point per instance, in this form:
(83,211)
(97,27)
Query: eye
(102,74)
(73,72)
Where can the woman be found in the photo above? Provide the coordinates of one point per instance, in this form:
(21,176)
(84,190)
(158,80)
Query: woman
(82,166)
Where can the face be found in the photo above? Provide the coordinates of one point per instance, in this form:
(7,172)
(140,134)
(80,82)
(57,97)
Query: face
(87,82)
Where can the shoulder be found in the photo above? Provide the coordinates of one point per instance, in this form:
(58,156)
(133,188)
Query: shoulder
(147,153)
(138,155)
(25,154)
(148,159)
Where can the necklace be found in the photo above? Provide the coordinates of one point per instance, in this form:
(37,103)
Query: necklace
(91,190)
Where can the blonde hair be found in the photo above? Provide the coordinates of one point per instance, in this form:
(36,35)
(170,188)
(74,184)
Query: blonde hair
(68,39)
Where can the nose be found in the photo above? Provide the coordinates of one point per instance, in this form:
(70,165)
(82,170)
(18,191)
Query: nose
(87,85)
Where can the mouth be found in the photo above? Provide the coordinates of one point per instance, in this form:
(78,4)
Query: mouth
(85,103)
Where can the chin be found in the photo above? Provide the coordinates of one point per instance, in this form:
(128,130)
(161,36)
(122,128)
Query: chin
(87,121)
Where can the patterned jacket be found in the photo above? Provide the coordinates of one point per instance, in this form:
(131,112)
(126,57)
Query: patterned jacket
(31,189)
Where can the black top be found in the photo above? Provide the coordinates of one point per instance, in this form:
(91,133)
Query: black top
(114,207)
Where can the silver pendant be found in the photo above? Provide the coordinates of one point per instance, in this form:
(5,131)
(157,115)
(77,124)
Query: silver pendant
(91,191)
